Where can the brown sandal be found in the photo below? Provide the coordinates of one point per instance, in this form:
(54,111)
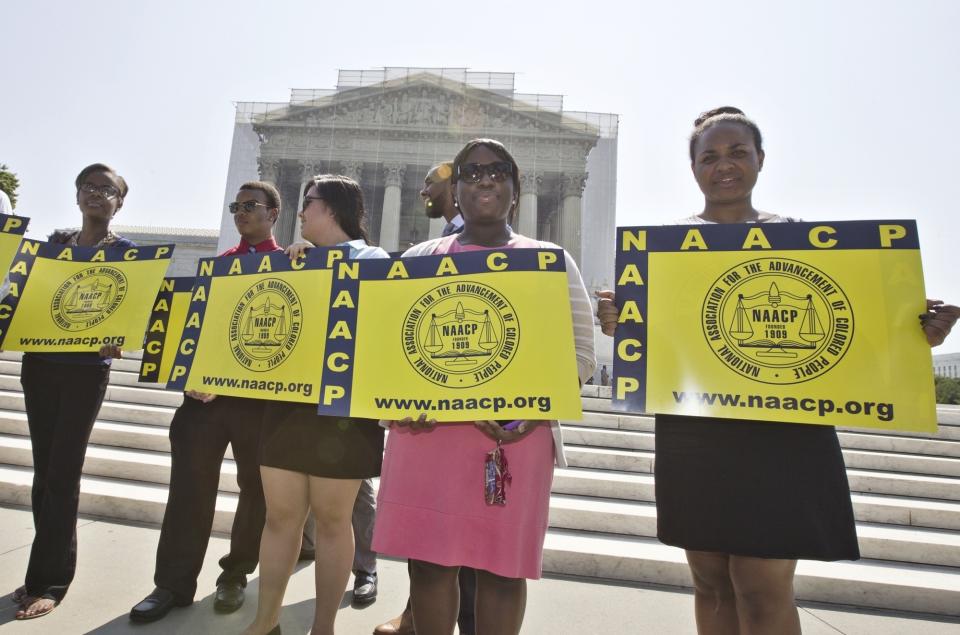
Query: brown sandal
(22,614)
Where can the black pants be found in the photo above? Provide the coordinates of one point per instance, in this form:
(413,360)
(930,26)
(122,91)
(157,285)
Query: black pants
(62,402)
(199,434)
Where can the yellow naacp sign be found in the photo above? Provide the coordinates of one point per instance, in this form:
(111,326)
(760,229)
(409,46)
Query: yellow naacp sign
(12,229)
(164,329)
(796,322)
(73,299)
(477,335)
(256,325)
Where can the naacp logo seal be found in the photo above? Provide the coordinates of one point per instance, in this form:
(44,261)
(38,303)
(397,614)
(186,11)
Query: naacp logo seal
(777,321)
(265,325)
(88,297)
(460,334)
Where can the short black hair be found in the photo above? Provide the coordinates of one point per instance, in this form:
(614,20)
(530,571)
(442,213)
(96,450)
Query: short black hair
(273,196)
(710,118)
(100,167)
(345,199)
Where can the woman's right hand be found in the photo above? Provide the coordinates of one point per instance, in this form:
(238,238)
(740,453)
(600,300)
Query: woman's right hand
(298,249)
(205,397)
(420,424)
(607,312)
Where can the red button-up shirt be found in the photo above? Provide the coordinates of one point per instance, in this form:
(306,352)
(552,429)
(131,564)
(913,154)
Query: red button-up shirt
(246,248)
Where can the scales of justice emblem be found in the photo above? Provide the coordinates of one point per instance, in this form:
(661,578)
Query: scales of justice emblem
(88,297)
(265,325)
(777,321)
(460,334)
(779,306)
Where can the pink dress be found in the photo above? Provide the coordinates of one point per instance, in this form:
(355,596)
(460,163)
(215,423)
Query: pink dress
(431,504)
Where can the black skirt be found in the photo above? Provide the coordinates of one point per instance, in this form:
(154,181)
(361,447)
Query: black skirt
(296,438)
(750,488)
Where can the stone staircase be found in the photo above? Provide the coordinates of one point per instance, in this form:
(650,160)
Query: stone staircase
(906,495)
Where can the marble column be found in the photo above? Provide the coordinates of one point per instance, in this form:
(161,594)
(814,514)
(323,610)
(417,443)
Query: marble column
(390,220)
(526,223)
(571,185)
(269,169)
(352,169)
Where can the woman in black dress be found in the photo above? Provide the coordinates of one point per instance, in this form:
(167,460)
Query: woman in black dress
(747,499)
(310,462)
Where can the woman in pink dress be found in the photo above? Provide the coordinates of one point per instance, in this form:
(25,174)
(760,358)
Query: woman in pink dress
(431,507)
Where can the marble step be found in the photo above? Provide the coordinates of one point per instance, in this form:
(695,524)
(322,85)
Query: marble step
(146,429)
(580,433)
(878,584)
(588,481)
(867,583)
(152,464)
(116,463)
(136,500)
(115,392)
(637,460)
(899,462)
(109,411)
(877,541)
(113,498)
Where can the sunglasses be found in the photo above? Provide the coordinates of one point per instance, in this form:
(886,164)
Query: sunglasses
(107,191)
(246,206)
(498,171)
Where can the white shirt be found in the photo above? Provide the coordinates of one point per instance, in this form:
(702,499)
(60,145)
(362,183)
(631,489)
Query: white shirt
(5,206)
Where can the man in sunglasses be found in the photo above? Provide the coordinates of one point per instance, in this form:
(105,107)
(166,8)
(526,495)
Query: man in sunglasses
(199,433)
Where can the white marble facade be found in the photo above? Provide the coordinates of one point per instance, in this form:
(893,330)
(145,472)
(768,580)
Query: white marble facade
(387,127)
(191,244)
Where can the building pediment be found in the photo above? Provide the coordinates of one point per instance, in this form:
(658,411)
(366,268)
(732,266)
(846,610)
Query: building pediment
(425,102)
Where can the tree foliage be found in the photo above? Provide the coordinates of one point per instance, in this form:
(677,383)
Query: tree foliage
(9,183)
(948,390)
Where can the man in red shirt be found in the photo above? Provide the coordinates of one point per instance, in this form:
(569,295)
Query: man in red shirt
(199,433)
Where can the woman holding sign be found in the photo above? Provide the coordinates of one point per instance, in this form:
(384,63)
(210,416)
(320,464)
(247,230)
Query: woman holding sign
(433,508)
(310,462)
(747,499)
(62,393)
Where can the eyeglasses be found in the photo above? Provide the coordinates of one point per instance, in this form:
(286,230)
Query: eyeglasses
(107,191)
(498,171)
(306,201)
(246,206)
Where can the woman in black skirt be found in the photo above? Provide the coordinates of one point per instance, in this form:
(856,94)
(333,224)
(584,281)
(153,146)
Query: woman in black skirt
(747,499)
(314,462)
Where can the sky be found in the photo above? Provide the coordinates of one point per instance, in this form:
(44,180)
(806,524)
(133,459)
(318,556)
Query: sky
(858,101)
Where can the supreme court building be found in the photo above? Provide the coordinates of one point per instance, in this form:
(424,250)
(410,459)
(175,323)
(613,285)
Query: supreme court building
(387,127)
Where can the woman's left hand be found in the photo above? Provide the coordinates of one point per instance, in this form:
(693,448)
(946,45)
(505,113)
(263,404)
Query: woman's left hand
(496,432)
(111,350)
(938,320)
(298,249)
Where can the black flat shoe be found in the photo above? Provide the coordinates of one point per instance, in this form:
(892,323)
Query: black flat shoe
(364,587)
(156,605)
(229,597)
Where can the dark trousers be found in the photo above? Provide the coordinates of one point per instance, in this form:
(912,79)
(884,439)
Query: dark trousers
(199,434)
(62,402)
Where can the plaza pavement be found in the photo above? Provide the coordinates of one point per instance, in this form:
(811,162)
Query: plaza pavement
(115,571)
